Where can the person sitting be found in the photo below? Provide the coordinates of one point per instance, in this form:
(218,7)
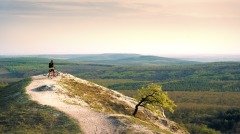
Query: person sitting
(51,68)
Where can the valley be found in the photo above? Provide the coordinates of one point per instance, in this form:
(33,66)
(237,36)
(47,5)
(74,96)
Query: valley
(207,93)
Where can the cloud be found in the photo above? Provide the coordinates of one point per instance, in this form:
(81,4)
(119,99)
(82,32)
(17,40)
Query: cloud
(106,8)
(216,9)
(66,8)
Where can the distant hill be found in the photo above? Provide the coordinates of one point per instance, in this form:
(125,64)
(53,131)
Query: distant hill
(209,58)
(103,57)
(116,59)
(129,59)
(109,57)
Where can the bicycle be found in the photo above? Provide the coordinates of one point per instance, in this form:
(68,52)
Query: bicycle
(52,73)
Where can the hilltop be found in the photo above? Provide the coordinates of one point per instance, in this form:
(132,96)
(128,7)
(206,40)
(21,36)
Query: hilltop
(129,59)
(97,109)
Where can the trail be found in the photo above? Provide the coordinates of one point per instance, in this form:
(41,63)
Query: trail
(90,122)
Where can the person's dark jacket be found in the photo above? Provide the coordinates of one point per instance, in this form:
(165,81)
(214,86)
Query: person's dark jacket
(51,65)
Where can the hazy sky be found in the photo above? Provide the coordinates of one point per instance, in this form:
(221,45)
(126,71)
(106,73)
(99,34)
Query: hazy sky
(156,27)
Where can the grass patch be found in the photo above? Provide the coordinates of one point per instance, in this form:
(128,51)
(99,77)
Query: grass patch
(97,98)
(2,85)
(108,82)
(130,93)
(18,114)
(224,99)
(132,120)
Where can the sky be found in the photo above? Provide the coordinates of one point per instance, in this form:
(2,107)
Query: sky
(156,27)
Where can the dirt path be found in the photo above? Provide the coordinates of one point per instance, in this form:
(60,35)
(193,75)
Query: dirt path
(91,122)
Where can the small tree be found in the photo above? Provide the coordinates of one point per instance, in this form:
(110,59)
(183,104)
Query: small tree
(153,98)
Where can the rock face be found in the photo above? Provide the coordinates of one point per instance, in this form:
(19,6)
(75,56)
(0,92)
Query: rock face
(96,108)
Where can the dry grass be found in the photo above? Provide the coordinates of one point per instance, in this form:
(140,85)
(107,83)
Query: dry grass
(130,93)
(96,97)
(108,82)
(145,127)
